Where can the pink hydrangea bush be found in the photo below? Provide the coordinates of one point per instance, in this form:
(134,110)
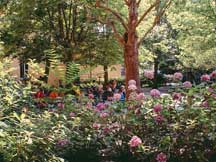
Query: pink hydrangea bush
(135,141)
(149,74)
(132,87)
(187,84)
(213,75)
(157,108)
(176,96)
(117,96)
(140,96)
(91,96)
(149,126)
(155,93)
(161,157)
(205,77)
(132,82)
(178,76)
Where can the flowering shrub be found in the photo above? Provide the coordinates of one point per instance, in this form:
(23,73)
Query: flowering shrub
(155,93)
(178,76)
(179,126)
(13,94)
(148,79)
(149,74)
(187,84)
(135,141)
(205,77)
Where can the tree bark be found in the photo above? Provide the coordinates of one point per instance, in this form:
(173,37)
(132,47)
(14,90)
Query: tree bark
(47,70)
(156,67)
(130,41)
(106,77)
(131,47)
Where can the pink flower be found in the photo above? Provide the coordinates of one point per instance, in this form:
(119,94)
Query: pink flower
(161,157)
(176,96)
(62,142)
(89,105)
(155,93)
(149,74)
(187,84)
(115,125)
(72,114)
(213,75)
(205,77)
(106,130)
(157,108)
(159,118)
(178,76)
(100,106)
(214,96)
(117,96)
(130,107)
(61,105)
(210,89)
(91,96)
(205,104)
(132,87)
(104,114)
(132,82)
(137,111)
(96,125)
(141,96)
(135,141)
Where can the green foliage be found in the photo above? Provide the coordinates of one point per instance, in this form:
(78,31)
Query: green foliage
(72,72)
(160,47)
(13,94)
(195,23)
(63,130)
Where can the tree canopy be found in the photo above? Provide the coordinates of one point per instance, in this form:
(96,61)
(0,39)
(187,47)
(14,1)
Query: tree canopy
(195,22)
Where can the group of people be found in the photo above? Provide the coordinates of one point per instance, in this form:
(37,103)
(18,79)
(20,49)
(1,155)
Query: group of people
(97,92)
(102,93)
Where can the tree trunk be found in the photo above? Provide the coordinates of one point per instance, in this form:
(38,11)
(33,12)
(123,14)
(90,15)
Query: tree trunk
(106,77)
(156,64)
(131,64)
(131,47)
(47,69)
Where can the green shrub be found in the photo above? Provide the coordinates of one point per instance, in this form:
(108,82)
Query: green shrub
(180,127)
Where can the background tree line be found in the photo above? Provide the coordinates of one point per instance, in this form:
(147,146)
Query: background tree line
(85,32)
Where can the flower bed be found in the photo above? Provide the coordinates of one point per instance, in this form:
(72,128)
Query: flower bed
(157,128)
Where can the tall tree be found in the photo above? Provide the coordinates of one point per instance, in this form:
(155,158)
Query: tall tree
(102,49)
(31,28)
(195,22)
(162,46)
(129,38)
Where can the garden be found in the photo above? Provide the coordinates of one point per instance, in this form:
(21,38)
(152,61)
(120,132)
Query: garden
(162,108)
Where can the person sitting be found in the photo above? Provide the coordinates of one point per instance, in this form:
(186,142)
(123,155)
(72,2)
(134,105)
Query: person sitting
(109,98)
(122,92)
(113,86)
(106,92)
